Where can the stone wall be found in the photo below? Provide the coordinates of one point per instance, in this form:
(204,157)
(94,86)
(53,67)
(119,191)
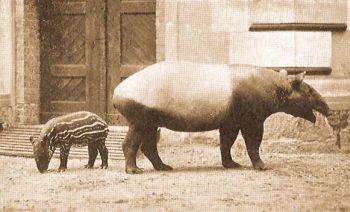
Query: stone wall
(219,32)
(22,104)
(27,98)
(160,34)
(6,115)
(6,61)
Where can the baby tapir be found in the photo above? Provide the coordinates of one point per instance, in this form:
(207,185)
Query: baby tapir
(192,97)
(78,129)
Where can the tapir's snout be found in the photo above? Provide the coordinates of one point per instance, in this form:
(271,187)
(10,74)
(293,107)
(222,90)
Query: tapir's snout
(322,107)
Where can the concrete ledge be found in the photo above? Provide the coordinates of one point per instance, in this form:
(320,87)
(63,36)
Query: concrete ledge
(308,70)
(334,27)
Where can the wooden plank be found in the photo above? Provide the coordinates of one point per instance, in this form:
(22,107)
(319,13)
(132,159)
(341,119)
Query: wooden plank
(113,48)
(68,106)
(45,27)
(335,27)
(74,62)
(95,53)
(138,7)
(138,39)
(69,8)
(71,70)
(129,29)
(127,70)
(68,89)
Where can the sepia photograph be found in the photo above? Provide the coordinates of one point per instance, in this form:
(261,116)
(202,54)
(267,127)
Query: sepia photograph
(174,105)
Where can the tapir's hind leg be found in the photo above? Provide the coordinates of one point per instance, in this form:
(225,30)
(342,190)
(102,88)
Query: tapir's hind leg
(131,145)
(252,134)
(228,136)
(149,148)
(103,153)
(92,155)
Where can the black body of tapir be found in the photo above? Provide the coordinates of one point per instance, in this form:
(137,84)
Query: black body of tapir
(79,129)
(192,97)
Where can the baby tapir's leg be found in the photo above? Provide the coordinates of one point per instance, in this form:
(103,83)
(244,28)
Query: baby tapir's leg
(92,155)
(103,153)
(64,152)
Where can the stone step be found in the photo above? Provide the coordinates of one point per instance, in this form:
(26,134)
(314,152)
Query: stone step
(10,136)
(15,142)
(29,146)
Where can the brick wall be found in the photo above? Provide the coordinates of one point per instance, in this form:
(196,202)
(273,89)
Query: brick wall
(28,63)
(6,115)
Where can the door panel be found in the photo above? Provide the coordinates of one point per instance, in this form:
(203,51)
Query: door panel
(131,43)
(73,64)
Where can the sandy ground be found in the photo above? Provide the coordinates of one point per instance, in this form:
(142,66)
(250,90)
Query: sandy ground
(301,178)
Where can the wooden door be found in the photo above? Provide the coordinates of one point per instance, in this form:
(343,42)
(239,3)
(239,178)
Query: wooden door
(72,57)
(131,32)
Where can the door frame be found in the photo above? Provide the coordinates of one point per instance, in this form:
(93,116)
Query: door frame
(115,71)
(95,57)
(105,54)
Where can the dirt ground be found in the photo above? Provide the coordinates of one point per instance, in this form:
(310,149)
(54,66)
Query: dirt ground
(302,177)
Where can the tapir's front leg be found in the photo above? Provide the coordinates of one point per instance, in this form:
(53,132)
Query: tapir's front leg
(64,152)
(252,133)
(130,146)
(103,153)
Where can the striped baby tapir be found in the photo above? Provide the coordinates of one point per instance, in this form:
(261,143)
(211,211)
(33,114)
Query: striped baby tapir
(75,129)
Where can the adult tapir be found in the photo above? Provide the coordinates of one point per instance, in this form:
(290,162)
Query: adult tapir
(192,97)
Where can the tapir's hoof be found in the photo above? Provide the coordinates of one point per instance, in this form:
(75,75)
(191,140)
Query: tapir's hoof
(88,166)
(260,166)
(104,166)
(134,170)
(163,167)
(62,169)
(231,164)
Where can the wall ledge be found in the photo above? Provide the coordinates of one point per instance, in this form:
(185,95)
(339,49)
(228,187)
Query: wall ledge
(335,91)
(308,70)
(5,100)
(334,27)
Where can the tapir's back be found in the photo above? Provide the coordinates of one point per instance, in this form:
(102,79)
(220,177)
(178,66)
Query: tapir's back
(189,91)
(78,125)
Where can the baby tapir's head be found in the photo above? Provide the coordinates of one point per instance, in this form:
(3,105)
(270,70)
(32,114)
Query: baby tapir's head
(300,99)
(41,153)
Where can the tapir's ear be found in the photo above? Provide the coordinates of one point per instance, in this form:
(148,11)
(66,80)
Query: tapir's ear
(297,80)
(31,138)
(301,76)
(283,72)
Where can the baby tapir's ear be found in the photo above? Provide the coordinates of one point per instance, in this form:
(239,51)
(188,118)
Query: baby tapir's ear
(296,80)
